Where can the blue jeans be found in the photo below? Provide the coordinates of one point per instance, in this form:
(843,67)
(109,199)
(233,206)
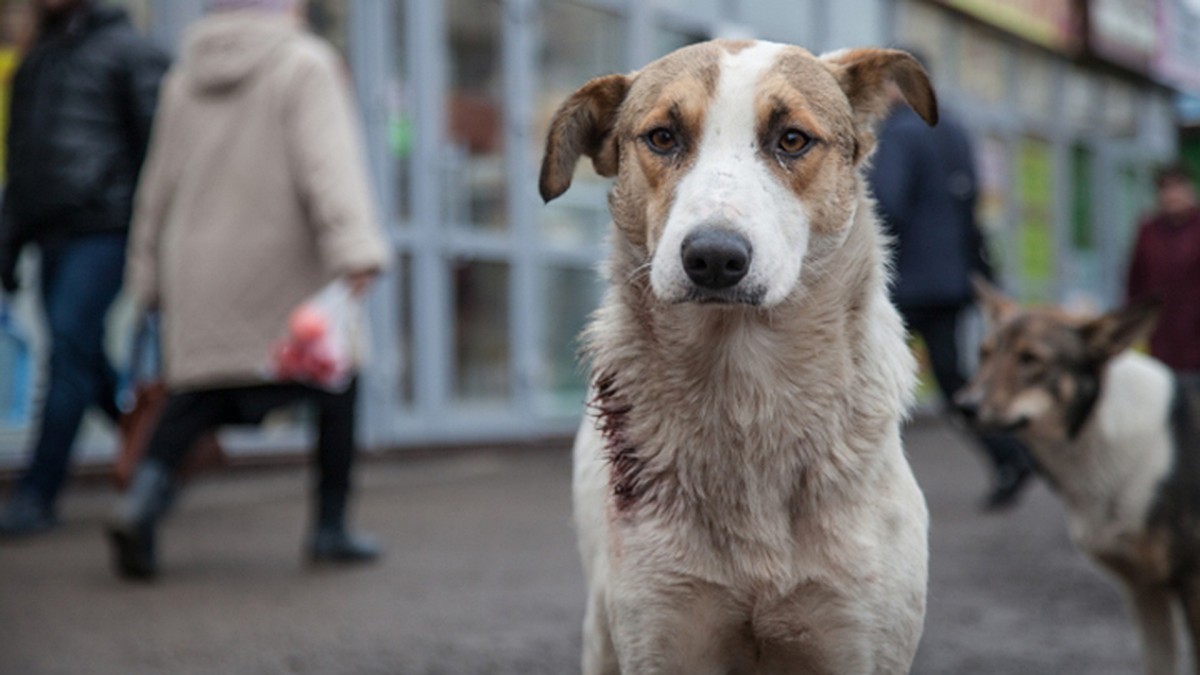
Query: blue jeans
(80,279)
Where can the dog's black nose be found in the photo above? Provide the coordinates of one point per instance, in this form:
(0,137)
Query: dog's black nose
(716,258)
(967,405)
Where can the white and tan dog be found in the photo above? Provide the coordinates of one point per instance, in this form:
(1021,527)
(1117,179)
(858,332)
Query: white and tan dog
(742,498)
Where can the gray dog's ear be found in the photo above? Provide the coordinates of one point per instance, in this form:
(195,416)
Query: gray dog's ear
(583,125)
(998,308)
(864,74)
(1114,332)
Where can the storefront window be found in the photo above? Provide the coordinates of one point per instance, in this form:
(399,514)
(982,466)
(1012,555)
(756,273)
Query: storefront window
(579,43)
(331,19)
(1137,199)
(994,186)
(481,345)
(778,20)
(982,69)
(1080,100)
(695,9)
(924,28)
(1035,90)
(404,289)
(1120,109)
(474,195)
(400,116)
(569,296)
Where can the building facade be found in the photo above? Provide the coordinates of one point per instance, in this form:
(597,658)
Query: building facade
(1071,108)
(475,326)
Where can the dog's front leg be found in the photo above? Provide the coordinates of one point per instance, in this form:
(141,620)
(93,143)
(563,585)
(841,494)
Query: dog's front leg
(1152,613)
(666,626)
(599,657)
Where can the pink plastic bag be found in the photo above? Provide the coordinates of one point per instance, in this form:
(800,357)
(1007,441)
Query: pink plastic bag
(321,347)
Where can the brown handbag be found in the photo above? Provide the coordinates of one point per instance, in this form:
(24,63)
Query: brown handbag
(140,418)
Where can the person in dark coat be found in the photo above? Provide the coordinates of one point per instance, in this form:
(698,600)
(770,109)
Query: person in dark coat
(925,185)
(82,103)
(1166,264)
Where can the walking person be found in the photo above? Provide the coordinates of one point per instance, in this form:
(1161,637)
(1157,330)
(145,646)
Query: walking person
(925,185)
(82,103)
(254,197)
(1166,264)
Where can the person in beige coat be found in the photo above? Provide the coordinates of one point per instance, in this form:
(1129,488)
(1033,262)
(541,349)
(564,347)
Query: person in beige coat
(253,198)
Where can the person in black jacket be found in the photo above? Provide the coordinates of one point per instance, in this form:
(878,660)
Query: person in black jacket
(81,110)
(925,186)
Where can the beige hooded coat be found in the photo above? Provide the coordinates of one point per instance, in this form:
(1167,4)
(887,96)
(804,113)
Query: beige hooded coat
(254,195)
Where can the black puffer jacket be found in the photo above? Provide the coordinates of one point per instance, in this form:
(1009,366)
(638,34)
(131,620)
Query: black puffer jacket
(82,104)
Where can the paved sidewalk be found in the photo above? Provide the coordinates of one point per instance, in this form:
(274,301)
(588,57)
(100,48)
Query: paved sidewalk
(482,579)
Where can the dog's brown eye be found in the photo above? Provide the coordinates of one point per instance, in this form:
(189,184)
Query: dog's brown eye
(661,140)
(794,142)
(1028,358)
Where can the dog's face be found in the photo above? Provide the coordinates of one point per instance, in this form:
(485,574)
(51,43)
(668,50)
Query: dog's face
(1040,370)
(735,162)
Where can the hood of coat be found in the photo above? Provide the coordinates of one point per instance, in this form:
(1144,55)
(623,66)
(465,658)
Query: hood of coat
(224,51)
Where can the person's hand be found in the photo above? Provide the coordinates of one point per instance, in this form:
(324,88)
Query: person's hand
(360,281)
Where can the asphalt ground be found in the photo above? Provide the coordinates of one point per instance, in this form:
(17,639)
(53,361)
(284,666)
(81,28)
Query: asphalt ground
(481,577)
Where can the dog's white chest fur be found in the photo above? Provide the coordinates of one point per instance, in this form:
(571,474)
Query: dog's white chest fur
(770,494)
(1110,475)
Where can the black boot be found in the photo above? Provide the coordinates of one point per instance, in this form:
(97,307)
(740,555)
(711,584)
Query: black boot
(332,542)
(1009,480)
(132,532)
(1014,468)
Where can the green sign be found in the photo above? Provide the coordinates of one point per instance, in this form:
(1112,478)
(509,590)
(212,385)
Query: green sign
(1035,234)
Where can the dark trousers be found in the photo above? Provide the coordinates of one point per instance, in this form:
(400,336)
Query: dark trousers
(938,327)
(80,278)
(188,415)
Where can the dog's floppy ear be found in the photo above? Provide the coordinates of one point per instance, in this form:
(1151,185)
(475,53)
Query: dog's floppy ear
(864,74)
(583,125)
(1110,334)
(997,307)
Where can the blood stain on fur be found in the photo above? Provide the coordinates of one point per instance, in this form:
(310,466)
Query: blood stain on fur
(625,466)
